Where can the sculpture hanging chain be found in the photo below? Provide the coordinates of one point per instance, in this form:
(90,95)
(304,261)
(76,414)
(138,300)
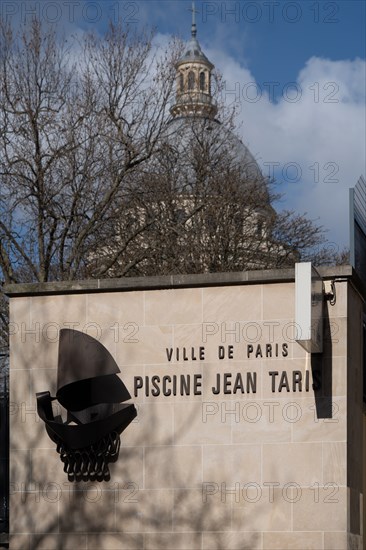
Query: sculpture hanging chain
(90,463)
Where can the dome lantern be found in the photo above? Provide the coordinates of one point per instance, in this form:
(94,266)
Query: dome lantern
(193,82)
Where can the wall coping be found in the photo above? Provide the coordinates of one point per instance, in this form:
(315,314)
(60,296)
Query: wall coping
(128,284)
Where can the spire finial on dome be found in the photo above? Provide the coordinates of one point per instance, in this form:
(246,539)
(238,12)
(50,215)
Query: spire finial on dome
(194,26)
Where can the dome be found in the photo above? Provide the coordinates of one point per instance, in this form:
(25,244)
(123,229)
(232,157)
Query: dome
(183,132)
(193,53)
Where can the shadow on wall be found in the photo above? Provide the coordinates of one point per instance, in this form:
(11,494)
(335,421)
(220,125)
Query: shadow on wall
(321,366)
(48,512)
(4,447)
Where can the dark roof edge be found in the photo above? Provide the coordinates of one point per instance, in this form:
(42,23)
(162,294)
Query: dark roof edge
(177,281)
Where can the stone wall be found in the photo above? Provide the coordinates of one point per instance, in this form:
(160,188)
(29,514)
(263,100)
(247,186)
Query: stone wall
(277,464)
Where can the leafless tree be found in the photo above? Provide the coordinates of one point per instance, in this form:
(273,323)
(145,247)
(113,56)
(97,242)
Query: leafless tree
(73,133)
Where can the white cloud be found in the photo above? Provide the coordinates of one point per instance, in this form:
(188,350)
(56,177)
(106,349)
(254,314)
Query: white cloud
(318,124)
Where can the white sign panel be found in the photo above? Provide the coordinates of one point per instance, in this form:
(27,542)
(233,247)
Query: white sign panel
(309,307)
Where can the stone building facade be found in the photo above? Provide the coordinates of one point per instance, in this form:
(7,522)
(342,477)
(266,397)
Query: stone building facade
(242,440)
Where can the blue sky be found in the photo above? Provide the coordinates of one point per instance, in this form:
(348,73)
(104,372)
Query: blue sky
(295,71)
(273,39)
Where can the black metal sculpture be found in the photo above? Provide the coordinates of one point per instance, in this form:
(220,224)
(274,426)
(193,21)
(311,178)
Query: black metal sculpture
(91,392)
